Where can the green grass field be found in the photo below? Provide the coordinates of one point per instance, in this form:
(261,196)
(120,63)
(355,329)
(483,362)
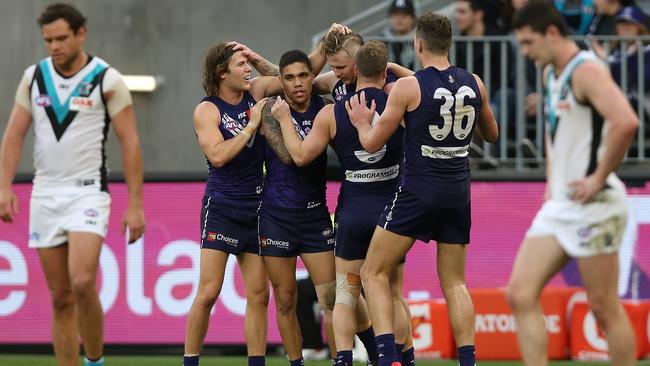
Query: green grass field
(28,360)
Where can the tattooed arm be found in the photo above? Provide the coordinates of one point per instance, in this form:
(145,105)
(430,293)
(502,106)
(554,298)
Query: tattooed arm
(273,134)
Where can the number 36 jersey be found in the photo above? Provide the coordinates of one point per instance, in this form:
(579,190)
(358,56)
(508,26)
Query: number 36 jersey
(438,135)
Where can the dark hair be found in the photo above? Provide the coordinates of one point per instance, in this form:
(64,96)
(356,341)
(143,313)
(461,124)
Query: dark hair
(476,5)
(372,59)
(216,64)
(539,15)
(434,29)
(336,41)
(67,12)
(294,56)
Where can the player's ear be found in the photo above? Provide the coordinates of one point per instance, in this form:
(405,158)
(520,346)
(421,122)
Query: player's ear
(356,71)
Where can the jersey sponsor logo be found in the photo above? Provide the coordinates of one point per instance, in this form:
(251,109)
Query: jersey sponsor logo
(282,244)
(91,212)
(81,104)
(372,175)
(43,100)
(435,152)
(214,236)
(370,158)
(451,79)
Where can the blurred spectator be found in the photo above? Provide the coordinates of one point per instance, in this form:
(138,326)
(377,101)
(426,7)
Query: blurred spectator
(604,23)
(578,14)
(631,21)
(401,23)
(508,11)
(470,22)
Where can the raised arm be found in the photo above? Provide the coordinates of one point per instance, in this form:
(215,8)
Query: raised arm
(375,135)
(487,124)
(399,70)
(316,57)
(593,84)
(324,83)
(216,149)
(304,151)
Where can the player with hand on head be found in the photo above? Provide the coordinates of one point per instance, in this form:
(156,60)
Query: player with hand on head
(226,123)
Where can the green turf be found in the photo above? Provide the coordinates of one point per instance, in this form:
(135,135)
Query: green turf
(27,360)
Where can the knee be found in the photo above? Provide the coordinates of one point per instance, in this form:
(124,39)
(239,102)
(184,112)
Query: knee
(326,294)
(207,296)
(62,300)
(370,272)
(258,298)
(520,298)
(285,301)
(348,289)
(83,286)
(603,309)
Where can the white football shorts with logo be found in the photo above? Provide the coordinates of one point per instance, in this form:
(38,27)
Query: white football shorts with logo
(56,210)
(584,230)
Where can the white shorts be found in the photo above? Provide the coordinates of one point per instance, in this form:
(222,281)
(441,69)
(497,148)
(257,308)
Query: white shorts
(55,210)
(584,230)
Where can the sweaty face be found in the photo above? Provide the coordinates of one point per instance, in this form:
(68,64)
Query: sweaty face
(464,16)
(63,45)
(401,22)
(534,46)
(297,82)
(238,76)
(343,66)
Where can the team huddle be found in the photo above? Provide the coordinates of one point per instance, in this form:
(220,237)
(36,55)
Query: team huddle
(402,139)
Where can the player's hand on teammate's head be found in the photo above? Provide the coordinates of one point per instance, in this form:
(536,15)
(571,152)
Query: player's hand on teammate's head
(358,111)
(8,205)
(340,28)
(583,190)
(133,220)
(246,51)
(280,110)
(256,113)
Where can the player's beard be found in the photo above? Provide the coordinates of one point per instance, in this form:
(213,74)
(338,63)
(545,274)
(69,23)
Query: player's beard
(67,64)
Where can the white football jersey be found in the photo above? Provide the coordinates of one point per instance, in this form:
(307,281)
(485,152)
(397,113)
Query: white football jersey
(578,132)
(70,121)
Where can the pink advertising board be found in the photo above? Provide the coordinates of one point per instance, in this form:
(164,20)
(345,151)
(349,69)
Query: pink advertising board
(147,288)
